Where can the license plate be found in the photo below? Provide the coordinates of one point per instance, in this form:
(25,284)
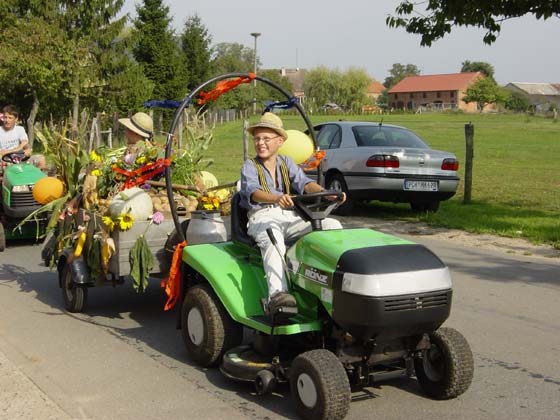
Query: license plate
(410,185)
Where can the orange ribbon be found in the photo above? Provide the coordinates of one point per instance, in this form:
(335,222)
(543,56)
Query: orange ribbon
(172,284)
(222,87)
(149,171)
(314,160)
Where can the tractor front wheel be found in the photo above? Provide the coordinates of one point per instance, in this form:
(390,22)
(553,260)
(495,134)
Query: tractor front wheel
(208,330)
(2,238)
(445,370)
(319,385)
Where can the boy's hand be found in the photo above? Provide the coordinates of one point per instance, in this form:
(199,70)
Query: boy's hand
(285,201)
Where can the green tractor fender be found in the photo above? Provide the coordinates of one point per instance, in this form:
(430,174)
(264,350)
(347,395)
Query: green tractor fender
(235,274)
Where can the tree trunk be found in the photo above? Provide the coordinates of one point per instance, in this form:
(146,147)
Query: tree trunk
(32,117)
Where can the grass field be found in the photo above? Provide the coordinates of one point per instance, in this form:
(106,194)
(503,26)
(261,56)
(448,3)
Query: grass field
(516,174)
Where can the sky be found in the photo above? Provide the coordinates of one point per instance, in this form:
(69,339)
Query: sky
(352,33)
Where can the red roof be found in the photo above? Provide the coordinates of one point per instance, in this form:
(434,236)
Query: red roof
(435,82)
(375,87)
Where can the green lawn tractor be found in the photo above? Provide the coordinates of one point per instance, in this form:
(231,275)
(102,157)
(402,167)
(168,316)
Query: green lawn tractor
(17,181)
(370,307)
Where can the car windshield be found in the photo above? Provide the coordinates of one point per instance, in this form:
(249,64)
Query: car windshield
(384,136)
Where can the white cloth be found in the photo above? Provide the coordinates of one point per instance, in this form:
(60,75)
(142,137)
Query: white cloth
(286,225)
(12,138)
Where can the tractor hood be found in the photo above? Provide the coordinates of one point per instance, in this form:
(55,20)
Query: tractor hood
(368,263)
(22,174)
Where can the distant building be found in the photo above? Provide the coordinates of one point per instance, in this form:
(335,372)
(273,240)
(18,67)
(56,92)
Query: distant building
(436,91)
(296,78)
(542,96)
(375,90)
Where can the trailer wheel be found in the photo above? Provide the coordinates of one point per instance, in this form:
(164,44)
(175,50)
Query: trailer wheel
(2,238)
(319,385)
(445,370)
(74,295)
(208,330)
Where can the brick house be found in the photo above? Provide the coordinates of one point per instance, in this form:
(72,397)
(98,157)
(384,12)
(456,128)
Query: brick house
(296,78)
(436,91)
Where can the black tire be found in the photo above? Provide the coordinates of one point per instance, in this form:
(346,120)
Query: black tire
(445,370)
(74,295)
(2,238)
(208,330)
(425,206)
(319,386)
(336,182)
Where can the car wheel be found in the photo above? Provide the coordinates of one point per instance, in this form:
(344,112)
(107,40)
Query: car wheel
(336,182)
(208,330)
(319,385)
(445,370)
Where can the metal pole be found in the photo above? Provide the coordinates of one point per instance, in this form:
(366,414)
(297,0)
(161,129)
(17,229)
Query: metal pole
(255,35)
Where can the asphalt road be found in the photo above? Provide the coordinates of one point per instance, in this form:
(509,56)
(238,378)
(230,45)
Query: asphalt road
(123,359)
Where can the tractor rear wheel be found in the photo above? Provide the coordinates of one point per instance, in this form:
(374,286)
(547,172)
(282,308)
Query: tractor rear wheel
(319,385)
(2,238)
(207,329)
(445,370)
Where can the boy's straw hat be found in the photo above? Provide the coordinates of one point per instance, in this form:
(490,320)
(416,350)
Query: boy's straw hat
(272,121)
(141,123)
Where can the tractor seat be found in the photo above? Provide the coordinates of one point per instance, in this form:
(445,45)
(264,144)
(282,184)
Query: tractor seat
(239,221)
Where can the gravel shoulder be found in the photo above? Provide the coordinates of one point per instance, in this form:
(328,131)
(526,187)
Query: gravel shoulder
(513,246)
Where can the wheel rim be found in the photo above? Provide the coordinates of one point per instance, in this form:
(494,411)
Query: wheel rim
(195,326)
(307,391)
(433,364)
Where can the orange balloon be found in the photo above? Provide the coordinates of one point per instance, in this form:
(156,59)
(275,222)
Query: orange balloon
(48,189)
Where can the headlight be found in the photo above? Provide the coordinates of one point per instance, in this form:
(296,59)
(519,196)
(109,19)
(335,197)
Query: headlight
(21,188)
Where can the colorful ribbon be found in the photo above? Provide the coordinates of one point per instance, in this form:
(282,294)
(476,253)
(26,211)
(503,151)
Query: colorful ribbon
(222,87)
(313,161)
(172,284)
(149,171)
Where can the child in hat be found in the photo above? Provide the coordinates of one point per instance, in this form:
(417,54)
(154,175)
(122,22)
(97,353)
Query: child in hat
(266,184)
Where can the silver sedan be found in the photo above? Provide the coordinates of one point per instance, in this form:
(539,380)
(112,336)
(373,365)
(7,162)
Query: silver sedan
(376,161)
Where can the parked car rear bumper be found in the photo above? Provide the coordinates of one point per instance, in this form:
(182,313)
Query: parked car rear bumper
(390,187)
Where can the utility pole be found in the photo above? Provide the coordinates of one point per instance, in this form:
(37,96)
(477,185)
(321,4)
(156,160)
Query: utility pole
(255,35)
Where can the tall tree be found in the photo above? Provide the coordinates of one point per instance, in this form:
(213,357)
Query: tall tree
(158,52)
(196,46)
(321,86)
(353,92)
(434,19)
(234,57)
(484,91)
(398,72)
(472,66)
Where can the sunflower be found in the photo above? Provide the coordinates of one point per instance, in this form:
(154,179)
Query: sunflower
(125,221)
(95,157)
(109,223)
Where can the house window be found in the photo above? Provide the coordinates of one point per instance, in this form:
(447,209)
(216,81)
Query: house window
(438,94)
(423,94)
(411,95)
(396,96)
(452,94)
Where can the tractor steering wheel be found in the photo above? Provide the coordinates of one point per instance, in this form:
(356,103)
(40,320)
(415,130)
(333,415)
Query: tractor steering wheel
(15,157)
(314,207)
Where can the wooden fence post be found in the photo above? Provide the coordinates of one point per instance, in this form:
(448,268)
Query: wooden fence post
(469,139)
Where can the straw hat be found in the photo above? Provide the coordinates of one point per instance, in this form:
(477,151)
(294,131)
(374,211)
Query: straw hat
(141,123)
(272,121)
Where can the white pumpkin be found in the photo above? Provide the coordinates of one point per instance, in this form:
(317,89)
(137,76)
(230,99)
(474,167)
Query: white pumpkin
(134,200)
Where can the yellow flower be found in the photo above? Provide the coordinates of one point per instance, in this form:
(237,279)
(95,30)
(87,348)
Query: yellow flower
(141,160)
(125,221)
(108,222)
(96,172)
(95,157)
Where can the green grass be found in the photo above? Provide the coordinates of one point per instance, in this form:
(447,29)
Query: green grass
(516,181)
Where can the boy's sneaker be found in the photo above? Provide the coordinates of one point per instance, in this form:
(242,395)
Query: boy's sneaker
(281,300)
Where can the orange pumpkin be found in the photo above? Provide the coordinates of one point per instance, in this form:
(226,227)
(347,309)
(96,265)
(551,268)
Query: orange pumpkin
(48,189)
